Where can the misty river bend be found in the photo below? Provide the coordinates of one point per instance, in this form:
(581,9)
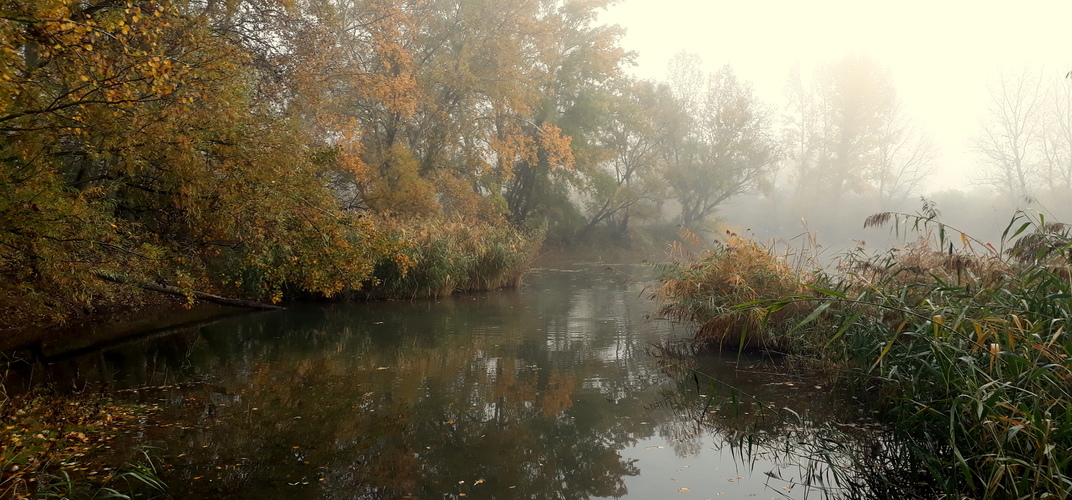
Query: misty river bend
(550,391)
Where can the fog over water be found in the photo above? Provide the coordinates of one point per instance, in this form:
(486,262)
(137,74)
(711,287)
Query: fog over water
(944,57)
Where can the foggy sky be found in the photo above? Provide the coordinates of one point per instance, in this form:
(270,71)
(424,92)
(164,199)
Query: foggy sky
(943,54)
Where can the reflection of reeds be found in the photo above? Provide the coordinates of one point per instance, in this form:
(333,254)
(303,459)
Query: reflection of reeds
(962,343)
(823,455)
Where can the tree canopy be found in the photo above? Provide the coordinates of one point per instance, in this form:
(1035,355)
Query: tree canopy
(270,148)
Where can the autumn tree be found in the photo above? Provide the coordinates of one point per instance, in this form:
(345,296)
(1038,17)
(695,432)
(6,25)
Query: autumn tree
(580,57)
(142,140)
(240,146)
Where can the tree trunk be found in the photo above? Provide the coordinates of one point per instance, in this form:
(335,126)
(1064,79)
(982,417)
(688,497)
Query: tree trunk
(184,292)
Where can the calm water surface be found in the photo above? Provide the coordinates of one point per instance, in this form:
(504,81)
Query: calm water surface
(550,391)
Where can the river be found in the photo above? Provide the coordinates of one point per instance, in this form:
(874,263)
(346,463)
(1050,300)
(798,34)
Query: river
(550,391)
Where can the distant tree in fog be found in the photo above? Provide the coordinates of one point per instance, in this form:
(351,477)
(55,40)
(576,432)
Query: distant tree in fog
(905,158)
(1010,140)
(800,123)
(687,81)
(847,132)
(636,122)
(729,145)
(1056,136)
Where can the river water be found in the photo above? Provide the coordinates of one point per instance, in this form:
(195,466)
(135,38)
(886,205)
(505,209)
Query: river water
(549,391)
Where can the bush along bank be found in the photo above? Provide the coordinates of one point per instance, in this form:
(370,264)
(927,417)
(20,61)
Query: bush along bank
(345,258)
(962,343)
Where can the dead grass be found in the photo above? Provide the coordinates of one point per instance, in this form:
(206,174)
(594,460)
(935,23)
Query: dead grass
(709,289)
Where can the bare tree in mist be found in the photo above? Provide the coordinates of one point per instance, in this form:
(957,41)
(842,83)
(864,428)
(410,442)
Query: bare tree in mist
(1010,135)
(1056,136)
(905,157)
(686,80)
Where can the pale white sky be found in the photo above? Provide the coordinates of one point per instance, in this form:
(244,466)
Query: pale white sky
(943,54)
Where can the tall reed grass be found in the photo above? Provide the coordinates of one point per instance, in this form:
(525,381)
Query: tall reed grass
(437,258)
(962,344)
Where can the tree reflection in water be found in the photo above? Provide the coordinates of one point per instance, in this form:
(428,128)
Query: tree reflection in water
(547,392)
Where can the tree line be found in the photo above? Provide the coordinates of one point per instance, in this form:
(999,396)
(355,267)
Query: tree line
(270,147)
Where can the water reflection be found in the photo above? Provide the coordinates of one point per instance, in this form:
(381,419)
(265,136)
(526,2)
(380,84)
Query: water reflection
(546,392)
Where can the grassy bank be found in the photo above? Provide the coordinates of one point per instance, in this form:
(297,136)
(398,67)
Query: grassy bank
(962,344)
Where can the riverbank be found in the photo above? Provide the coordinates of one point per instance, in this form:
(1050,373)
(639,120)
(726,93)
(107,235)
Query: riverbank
(431,258)
(414,259)
(961,345)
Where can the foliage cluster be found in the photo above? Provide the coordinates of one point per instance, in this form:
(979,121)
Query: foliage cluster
(138,143)
(962,343)
(247,147)
(254,147)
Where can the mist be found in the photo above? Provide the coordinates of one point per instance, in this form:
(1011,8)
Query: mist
(950,67)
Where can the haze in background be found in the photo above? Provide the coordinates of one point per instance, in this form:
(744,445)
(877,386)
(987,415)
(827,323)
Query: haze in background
(942,54)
